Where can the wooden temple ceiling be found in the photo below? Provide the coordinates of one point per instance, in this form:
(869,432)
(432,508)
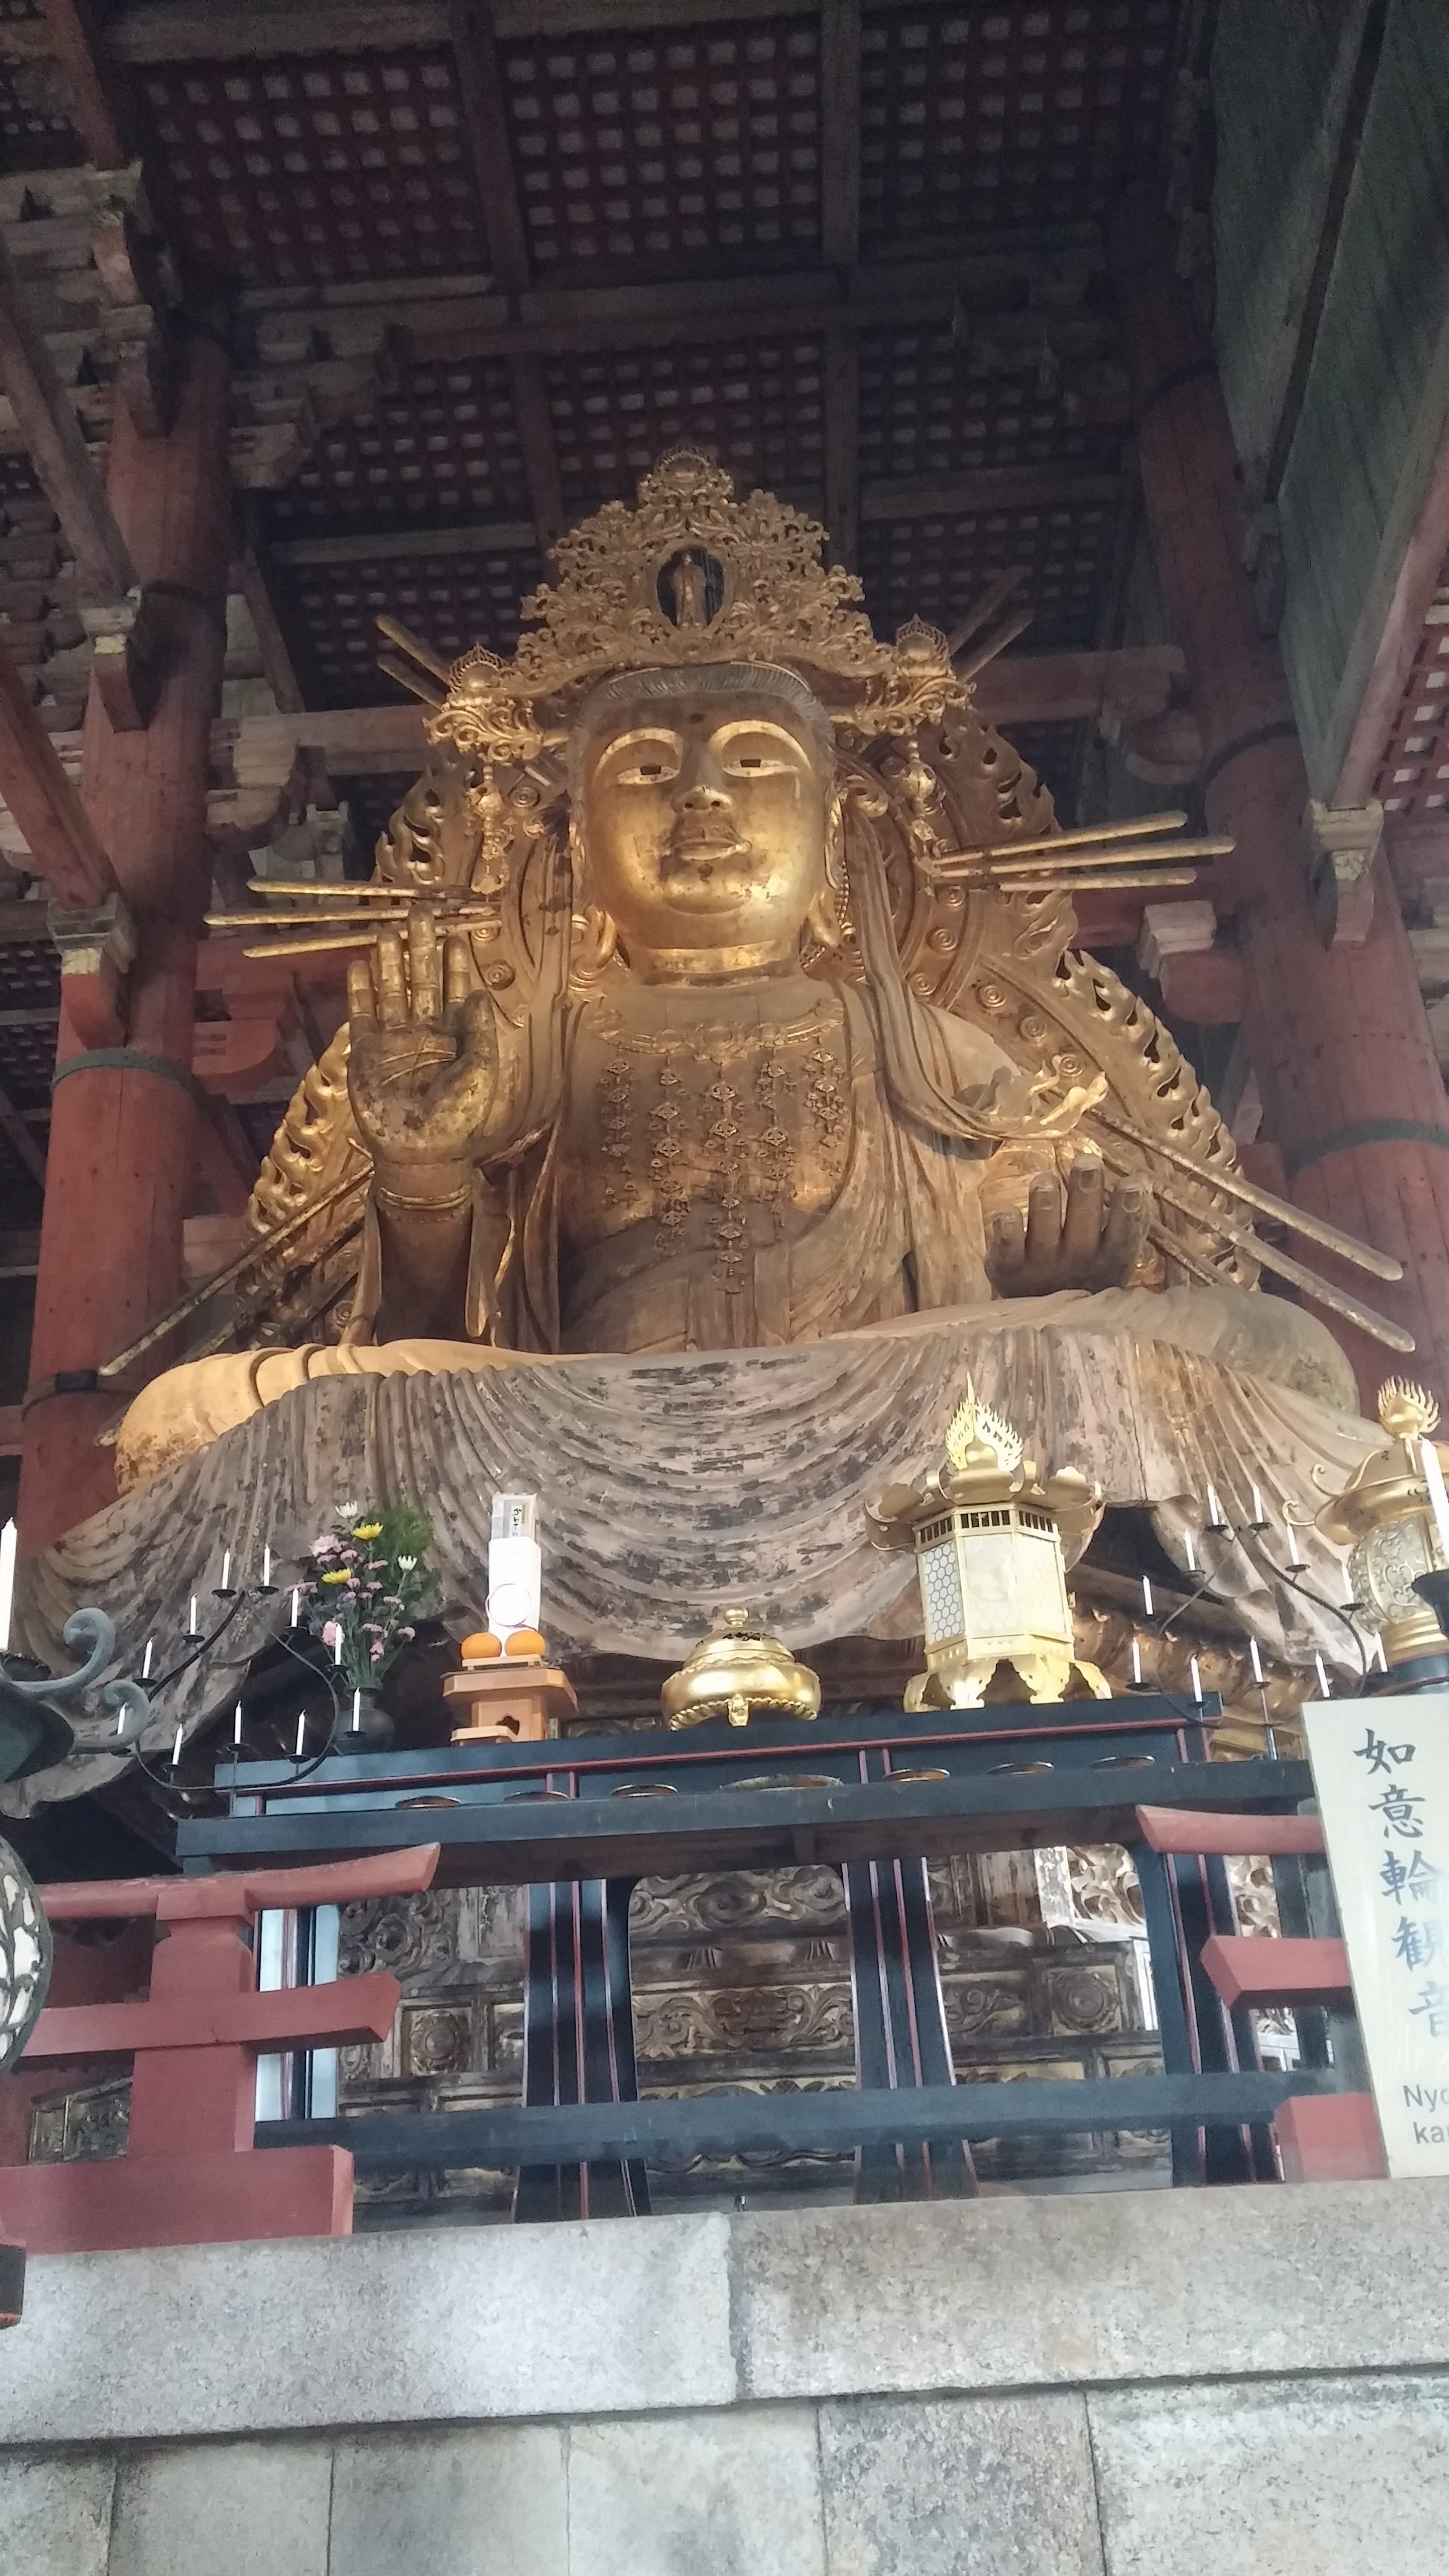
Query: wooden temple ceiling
(482,264)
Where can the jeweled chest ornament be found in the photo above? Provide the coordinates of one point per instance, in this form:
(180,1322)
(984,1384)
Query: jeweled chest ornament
(991,1539)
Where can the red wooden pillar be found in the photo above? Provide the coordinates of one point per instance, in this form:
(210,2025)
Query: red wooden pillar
(1339,1037)
(123,1131)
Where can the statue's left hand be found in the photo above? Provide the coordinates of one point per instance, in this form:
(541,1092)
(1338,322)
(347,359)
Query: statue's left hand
(1083,1236)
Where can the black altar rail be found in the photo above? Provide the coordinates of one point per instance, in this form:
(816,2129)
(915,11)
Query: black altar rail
(726,2124)
(867,1789)
(534,1837)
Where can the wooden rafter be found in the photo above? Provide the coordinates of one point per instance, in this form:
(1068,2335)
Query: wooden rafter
(840,35)
(490,142)
(58,831)
(166,31)
(59,453)
(97,105)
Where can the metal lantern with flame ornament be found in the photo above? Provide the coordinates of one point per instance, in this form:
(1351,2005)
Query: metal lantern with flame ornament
(1388,1517)
(992,1540)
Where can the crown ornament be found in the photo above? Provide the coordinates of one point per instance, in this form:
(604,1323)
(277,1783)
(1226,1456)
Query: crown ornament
(691,574)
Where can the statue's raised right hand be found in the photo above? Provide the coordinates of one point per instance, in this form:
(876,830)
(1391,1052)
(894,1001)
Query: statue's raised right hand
(423,1067)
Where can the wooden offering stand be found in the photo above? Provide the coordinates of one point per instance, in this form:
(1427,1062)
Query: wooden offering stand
(508,1701)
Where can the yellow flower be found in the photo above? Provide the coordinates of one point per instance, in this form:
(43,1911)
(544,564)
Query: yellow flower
(368,1529)
(340,1576)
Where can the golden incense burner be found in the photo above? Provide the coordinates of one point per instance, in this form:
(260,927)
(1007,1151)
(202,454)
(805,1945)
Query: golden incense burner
(735,1670)
(1385,1518)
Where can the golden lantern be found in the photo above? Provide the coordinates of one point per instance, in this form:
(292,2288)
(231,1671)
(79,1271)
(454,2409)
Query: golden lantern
(736,1669)
(1386,1518)
(992,1541)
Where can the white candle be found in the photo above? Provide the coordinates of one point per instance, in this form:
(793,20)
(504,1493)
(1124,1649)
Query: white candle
(1295,1557)
(1379,1655)
(146,1659)
(176,1749)
(1258,1512)
(1256,1660)
(266,1568)
(1136,1662)
(191,1622)
(7,1581)
(121,1723)
(356,1712)
(296,1603)
(1324,1683)
(1146,1596)
(226,1569)
(236,1727)
(337,1644)
(1438,1499)
(301,1734)
(1214,1509)
(1196,1680)
(1191,1552)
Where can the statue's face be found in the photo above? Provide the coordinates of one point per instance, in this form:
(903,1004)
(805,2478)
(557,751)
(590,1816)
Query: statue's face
(704,822)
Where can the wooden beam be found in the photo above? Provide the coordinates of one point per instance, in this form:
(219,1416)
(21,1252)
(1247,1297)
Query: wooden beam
(173,31)
(842,445)
(990,487)
(1028,487)
(1060,688)
(59,834)
(61,458)
(1400,637)
(17,1134)
(276,660)
(840,41)
(490,142)
(508,536)
(540,449)
(559,321)
(96,110)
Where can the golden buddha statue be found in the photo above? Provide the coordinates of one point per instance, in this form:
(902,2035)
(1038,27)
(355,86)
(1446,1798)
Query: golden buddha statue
(719,1060)
(722,1084)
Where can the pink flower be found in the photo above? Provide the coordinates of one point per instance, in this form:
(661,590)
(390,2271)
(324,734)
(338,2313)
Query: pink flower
(329,1633)
(377,1652)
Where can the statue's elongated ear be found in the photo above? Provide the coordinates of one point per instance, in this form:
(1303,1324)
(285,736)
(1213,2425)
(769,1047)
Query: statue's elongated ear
(835,872)
(822,922)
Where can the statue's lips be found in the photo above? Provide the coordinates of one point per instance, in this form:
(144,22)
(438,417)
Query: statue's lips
(697,847)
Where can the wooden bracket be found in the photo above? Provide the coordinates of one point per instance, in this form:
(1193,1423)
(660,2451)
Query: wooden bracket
(96,952)
(127,678)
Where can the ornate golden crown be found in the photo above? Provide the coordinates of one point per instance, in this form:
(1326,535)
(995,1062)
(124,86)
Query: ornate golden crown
(693,575)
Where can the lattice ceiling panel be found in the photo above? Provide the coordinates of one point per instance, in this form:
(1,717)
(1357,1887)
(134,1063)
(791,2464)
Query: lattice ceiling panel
(936,567)
(1413,777)
(445,447)
(1021,115)
(30,973)
(36,132)
(27,1061)
(929,407)
(758,408)
(668,147)
(451,601)
(290,172)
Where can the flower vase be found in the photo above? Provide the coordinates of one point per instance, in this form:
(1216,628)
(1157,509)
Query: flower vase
(373,1730)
